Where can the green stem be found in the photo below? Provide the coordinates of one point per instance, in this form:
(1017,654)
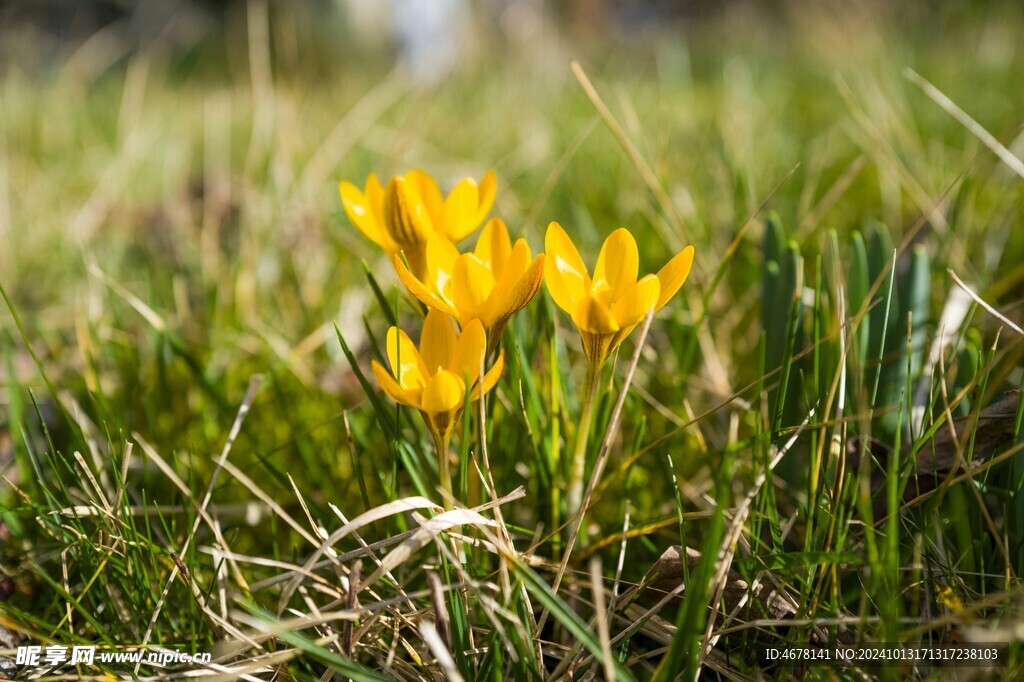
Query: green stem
(579,455)
(444,469)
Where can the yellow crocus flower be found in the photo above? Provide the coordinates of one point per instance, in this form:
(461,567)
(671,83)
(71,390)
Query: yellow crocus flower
(402,215)
(488,284)
(605,309)
(436,377)
(608,306)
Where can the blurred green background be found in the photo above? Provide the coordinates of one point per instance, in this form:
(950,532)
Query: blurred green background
(190,152)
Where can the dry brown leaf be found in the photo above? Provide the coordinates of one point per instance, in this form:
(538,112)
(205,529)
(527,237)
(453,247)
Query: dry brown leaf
(743,602)
(996,424)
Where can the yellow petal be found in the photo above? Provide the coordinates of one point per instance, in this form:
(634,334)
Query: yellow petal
(405,214)
(488,188)
(518,285)
(515,265)
(458,216)
(416,255)
(429,192)
(441,257)
(617,266)
(491,377)
(493,246)
(638,300)
(418,289)
(674,274)
(468,357)
(375,200)
(594,317)
(354,201)
(360,211)
(392,389)
(471,284)
(437,341)
(444,392)
(406,364)
(564,271)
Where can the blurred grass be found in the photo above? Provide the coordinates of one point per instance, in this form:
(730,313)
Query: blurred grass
(170,228)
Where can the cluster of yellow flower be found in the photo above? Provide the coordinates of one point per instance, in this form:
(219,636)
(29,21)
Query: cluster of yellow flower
(419,228)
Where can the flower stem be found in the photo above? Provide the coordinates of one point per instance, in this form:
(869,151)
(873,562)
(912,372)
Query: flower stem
(579,457)
(444,469)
